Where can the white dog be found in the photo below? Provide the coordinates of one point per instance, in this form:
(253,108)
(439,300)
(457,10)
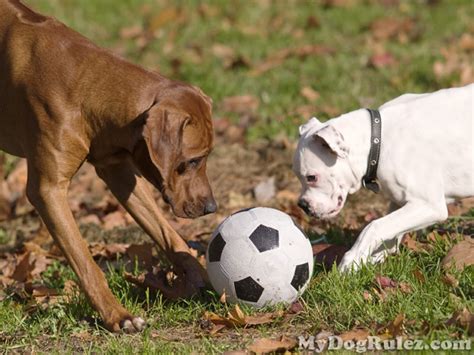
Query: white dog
(426,160)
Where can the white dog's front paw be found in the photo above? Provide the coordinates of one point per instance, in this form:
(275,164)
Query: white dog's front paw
(352,262)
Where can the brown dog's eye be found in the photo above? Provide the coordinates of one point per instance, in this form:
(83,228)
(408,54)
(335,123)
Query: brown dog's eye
(311,178)
(193,163)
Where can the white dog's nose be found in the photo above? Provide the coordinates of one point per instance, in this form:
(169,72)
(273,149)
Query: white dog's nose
(304,205)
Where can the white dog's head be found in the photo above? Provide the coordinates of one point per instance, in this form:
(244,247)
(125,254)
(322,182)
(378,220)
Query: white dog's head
(320,162)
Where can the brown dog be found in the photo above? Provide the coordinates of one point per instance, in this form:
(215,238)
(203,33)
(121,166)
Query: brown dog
(64,101)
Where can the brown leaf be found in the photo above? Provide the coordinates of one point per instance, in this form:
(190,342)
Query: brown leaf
(162,18)
(108,251)
(309,93)
(23,268)
(71,291)
(296,307)
(382,60)
(367,296)
(463,319)
(385,282)
(395,328)
(410,243)
(450,280)
(328,254)
(237,316)
(131,32)
(223,298)
(280,56)
(114,220)
(460,256)
(467,42)
(260,318)
(265,345)
(240,104)
(405,287)
(419,275)
(403,29)
(355,334)
(216,329)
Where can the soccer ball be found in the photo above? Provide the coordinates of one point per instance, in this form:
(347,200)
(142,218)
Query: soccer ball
(260,257)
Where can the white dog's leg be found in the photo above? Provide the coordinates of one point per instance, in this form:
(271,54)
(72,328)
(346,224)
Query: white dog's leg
(388,248)
(383,231)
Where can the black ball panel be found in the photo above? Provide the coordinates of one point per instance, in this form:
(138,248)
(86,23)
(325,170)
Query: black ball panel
(216,247)
(265,238)
(301,276)
(248,290)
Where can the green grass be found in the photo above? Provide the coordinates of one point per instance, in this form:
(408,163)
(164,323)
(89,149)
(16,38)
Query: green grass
(256,31)
(333,302)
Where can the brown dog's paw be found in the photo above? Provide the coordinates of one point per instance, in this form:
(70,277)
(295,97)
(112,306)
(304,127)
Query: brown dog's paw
(132,325)
(126,324)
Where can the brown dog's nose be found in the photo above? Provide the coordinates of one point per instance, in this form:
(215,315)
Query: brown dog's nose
(210,206)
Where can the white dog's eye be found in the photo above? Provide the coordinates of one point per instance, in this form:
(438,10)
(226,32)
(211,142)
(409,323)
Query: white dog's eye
(311,178)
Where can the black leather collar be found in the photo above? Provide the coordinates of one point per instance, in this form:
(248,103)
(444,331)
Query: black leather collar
(369,181)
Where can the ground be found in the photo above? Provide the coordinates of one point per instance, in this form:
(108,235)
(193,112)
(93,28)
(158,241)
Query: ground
(269,66)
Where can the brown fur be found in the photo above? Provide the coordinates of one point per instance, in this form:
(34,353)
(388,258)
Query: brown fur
(64,101)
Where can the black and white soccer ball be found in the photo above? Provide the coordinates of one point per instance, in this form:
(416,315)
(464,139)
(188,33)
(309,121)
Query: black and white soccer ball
(259,256)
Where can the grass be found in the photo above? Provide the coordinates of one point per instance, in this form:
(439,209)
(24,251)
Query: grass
(344,81)
(257,29)
(333,302)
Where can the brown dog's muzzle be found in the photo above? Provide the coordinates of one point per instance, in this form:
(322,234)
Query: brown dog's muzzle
(197,208)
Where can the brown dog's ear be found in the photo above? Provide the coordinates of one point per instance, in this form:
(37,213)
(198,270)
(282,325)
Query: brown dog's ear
(206,98)
(333,139)
(163,133)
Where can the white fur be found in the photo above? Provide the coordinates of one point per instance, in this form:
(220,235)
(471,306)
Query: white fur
(426,161)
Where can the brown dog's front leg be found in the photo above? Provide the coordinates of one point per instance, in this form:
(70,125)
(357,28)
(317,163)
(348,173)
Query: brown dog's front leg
(133,192)
(49,196)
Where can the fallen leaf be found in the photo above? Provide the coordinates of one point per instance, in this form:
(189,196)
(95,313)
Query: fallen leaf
(355,334)
(309,93)
(277,58)
(405,287)
(385,282)
(240,104)
(296,307)
(237,316)
(108,251)
(410,243)
(162,18)
(223,298)
(403,29)
(382,60)
(419,275)
(367,296)
(460,256)
(131,32)
(450,280)
(265,345)
(114,220)
(23,268)
(463,319)
(395,328)
(260,318)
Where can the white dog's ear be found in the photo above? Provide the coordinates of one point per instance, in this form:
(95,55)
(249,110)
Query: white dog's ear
(333,139)
(312,123)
